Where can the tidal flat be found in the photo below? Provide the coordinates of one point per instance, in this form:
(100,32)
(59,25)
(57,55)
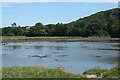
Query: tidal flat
(69,54)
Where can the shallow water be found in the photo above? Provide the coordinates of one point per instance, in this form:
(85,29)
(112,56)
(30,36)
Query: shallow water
(76,57)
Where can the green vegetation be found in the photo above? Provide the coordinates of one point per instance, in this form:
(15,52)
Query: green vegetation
(24,37)
(43,72)
(36,72)
(112,73)
(95,71)
(57,38)
(104,23)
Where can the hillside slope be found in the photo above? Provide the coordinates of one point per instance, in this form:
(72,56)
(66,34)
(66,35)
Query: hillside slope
(104,23)
(100,24)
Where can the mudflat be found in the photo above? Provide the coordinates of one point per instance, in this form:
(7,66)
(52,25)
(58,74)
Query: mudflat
(51,39)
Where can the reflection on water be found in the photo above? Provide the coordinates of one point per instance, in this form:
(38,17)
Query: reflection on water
(110,49)
(37,47)
(13,47)
(76,57)
(111,60)
(118,46)
(60,47)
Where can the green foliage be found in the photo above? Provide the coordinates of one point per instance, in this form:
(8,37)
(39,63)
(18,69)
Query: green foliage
(12,31)
(10,34)
(60,30)
(102,33)
(50,29)
(35,72)
(43,72)
(37,30)
(95,71)
(104,23)
(113,73)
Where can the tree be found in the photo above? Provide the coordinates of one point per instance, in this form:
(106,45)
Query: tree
(104,23)
(37,30)
(60,30)
(50,29)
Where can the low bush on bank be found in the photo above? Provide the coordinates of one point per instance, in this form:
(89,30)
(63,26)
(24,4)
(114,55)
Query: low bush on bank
(112,73)
(95,71)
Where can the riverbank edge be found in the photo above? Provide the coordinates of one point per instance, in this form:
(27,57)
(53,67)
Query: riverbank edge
(54,39)
(19,72)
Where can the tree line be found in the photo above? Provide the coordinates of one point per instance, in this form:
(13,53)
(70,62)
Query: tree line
(104,23)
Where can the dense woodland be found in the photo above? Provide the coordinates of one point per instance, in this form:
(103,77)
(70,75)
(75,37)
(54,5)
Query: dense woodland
(104,23)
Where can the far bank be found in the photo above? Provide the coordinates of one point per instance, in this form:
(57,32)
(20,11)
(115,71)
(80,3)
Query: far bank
(51,39)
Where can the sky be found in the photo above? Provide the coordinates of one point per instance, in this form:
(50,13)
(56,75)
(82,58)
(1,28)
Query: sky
(27,13)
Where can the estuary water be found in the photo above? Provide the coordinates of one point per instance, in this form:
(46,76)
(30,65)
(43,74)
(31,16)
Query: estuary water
(76,57)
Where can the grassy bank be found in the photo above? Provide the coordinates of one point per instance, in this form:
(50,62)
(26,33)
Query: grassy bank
(43,72)
(112,73)
(75,38)
(36,72)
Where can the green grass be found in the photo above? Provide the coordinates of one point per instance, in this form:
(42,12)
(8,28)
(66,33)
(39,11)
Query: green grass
(112,73)
(0,73)
(13,37)
(95,71)
(56,37)
(36,72)
(24,37)
(43,72)
(43,38)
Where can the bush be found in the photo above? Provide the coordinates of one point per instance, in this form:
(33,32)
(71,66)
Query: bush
(10,34)
(113,73)
(95,71)
(102,33)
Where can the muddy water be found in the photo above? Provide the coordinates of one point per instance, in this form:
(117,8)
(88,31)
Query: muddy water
(76,57)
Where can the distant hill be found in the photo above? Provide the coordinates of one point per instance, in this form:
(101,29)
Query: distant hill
(101,23)
(104,23)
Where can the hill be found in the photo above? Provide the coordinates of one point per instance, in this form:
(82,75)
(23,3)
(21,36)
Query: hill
(104,23)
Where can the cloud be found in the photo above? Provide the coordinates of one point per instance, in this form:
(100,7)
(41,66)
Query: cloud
(113,1)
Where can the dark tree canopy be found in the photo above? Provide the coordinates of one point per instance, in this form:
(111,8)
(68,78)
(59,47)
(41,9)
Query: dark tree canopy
(104,23)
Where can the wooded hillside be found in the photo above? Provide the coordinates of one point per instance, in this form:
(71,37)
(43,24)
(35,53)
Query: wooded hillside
(104,23)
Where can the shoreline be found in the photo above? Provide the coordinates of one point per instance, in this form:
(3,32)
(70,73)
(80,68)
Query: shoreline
(59,72)
(55,39)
